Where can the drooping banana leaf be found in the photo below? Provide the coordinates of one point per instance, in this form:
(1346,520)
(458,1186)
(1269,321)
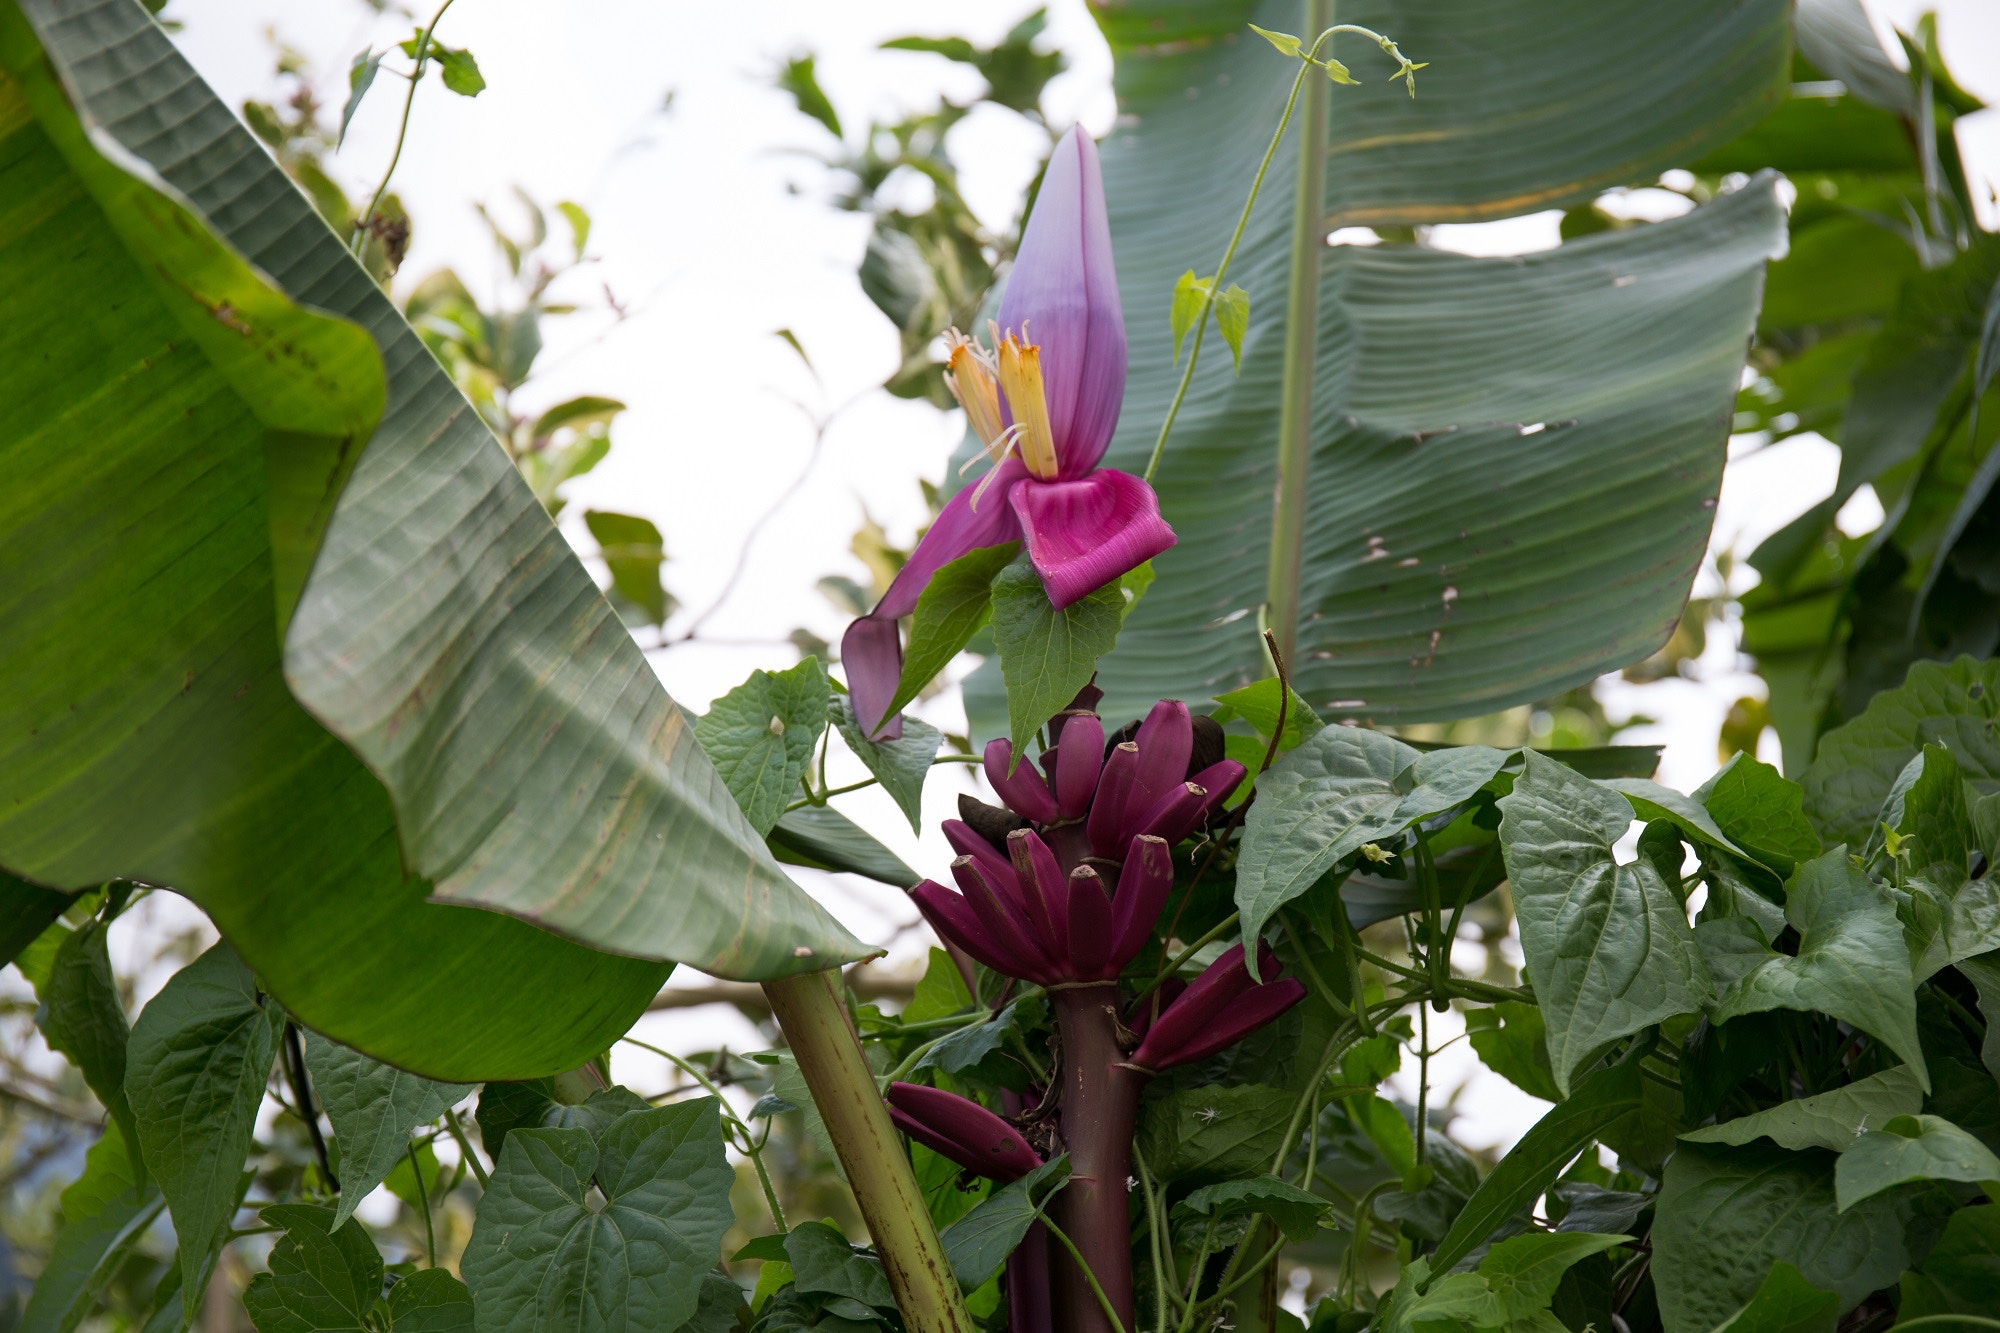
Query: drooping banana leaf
(314,672)
(1514,461)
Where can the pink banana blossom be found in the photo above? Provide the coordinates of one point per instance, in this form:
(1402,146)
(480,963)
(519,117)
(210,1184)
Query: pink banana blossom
(1043,400)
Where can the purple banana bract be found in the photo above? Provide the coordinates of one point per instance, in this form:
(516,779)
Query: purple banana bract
(1043,400)
(1076,899)
(962,1130)
(1064,887)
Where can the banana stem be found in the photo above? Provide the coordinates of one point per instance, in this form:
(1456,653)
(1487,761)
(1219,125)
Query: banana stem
(816,1026)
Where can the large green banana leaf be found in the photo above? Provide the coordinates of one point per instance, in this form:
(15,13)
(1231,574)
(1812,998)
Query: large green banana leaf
(1514,461)
(313,685)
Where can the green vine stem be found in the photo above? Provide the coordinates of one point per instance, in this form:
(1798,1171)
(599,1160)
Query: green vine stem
(1156,1240)
(1308,62)
(361,224)
(1096,1289)
(1222,270)
(424,1198)
(470,1157)
(810,1010)
(749,1146)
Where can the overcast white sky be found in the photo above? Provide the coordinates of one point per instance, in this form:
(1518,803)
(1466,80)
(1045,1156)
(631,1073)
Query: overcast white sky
(712,223)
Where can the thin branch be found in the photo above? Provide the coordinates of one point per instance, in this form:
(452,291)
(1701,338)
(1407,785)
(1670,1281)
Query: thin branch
(821,425)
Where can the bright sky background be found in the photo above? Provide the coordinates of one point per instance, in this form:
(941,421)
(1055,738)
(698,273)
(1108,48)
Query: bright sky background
(712,221)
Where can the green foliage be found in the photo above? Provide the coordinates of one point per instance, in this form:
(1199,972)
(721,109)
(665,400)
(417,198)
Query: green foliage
(81,1017)
(1523,1271)
(1961,1274)
(1015,72)
(1952,704)
(1510,1040)
(1872,335)
(1850,961)
(822,1261)
(1511,1288)
(105,1214)
(543,1256)
(821,837)
(1047,655)
(966,1047)
(1761,813)
(290,693)
(1339,789)
(26,911)
(1533,1164)
(633,551)
(361,72)
(200,1054)
(978,1243)
(955,604)
(372,1107)
(1595,984)
(798,78)
(1908,1148)
(761,737)
(928,271)
(900,765)
(1785,1303)
(1727,1214)
(1215,1133)
(324,1274)
(458,70)
(1195,297)
(329,1276)
(1297,1212)
(1259,705)
(1830,1120)
(1232,317)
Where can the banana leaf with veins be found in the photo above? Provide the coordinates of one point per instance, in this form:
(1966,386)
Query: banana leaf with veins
(1513,462)
(327,677)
